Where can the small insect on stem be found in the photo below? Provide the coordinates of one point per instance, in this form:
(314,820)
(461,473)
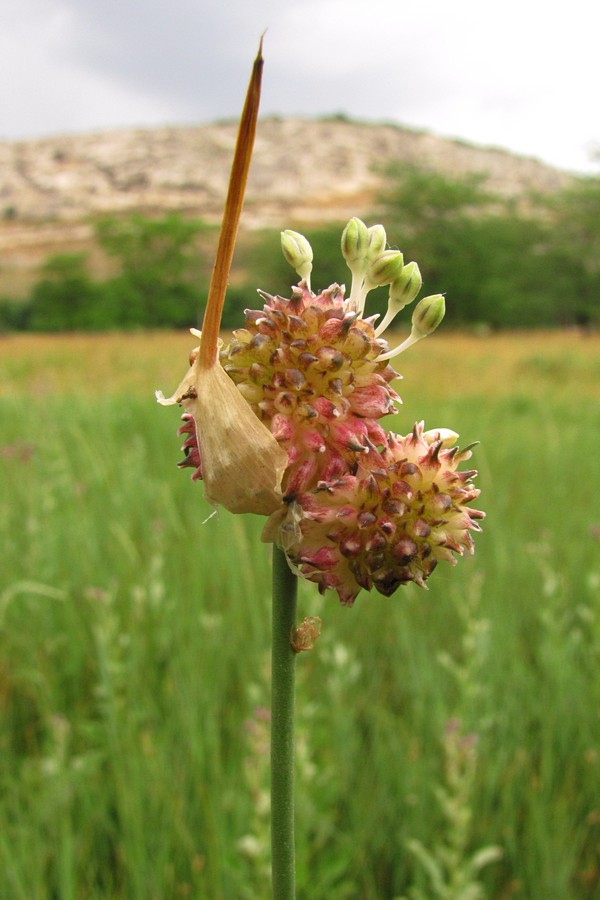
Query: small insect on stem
(304,637)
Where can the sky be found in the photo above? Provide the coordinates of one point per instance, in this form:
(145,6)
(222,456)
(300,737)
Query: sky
(521,74)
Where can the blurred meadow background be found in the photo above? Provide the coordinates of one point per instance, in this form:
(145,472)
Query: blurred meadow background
(448,741)
(445,738)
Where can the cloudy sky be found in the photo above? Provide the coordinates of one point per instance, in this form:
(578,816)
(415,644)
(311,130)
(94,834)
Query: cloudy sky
(520,74)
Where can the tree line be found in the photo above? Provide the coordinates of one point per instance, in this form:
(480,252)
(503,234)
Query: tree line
(500,263)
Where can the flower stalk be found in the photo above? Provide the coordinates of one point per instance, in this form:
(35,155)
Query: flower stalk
(283,422)
(283,676)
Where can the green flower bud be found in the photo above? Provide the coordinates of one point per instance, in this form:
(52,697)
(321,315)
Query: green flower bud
(406,286)
(403,291)
(427,315)
(297,252)
(377,241)
(384,269)
(355,241)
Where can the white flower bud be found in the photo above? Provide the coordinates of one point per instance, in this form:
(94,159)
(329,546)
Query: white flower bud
(406,286)
(384,269)
(445,435)
(355,242)
(377,241)
(427,315)
(403,291)
(298,253)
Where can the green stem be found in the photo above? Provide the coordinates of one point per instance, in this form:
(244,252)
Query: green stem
(283,673)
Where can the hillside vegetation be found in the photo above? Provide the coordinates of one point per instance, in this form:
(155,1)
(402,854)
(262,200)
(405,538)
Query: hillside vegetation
(119,230)
(304,172)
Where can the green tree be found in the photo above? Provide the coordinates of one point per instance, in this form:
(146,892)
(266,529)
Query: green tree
(573,249)
(158,262)
(490,260)
(434,214)
(65,297)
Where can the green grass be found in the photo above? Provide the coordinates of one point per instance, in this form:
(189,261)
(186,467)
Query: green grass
(134,653)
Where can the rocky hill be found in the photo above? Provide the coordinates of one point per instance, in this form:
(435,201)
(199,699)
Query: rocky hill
(303,171)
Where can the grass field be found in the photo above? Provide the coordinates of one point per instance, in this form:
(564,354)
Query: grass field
(134,649)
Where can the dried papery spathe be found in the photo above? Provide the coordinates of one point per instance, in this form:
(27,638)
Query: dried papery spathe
(242,463)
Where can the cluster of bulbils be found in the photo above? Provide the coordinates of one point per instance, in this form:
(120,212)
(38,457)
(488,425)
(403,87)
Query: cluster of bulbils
(361,507)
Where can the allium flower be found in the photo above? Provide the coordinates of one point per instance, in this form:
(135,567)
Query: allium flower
(313,369)
(310,368)
(360,507)
(388,523)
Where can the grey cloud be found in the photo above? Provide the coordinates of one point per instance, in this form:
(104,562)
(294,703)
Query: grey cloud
(193,53)
(462,68)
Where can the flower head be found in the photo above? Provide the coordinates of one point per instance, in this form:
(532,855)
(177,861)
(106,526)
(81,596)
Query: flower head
(359,507)
(310,368)
(390,522)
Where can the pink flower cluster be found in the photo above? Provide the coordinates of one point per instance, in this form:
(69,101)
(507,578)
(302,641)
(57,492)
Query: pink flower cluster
(362,507)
